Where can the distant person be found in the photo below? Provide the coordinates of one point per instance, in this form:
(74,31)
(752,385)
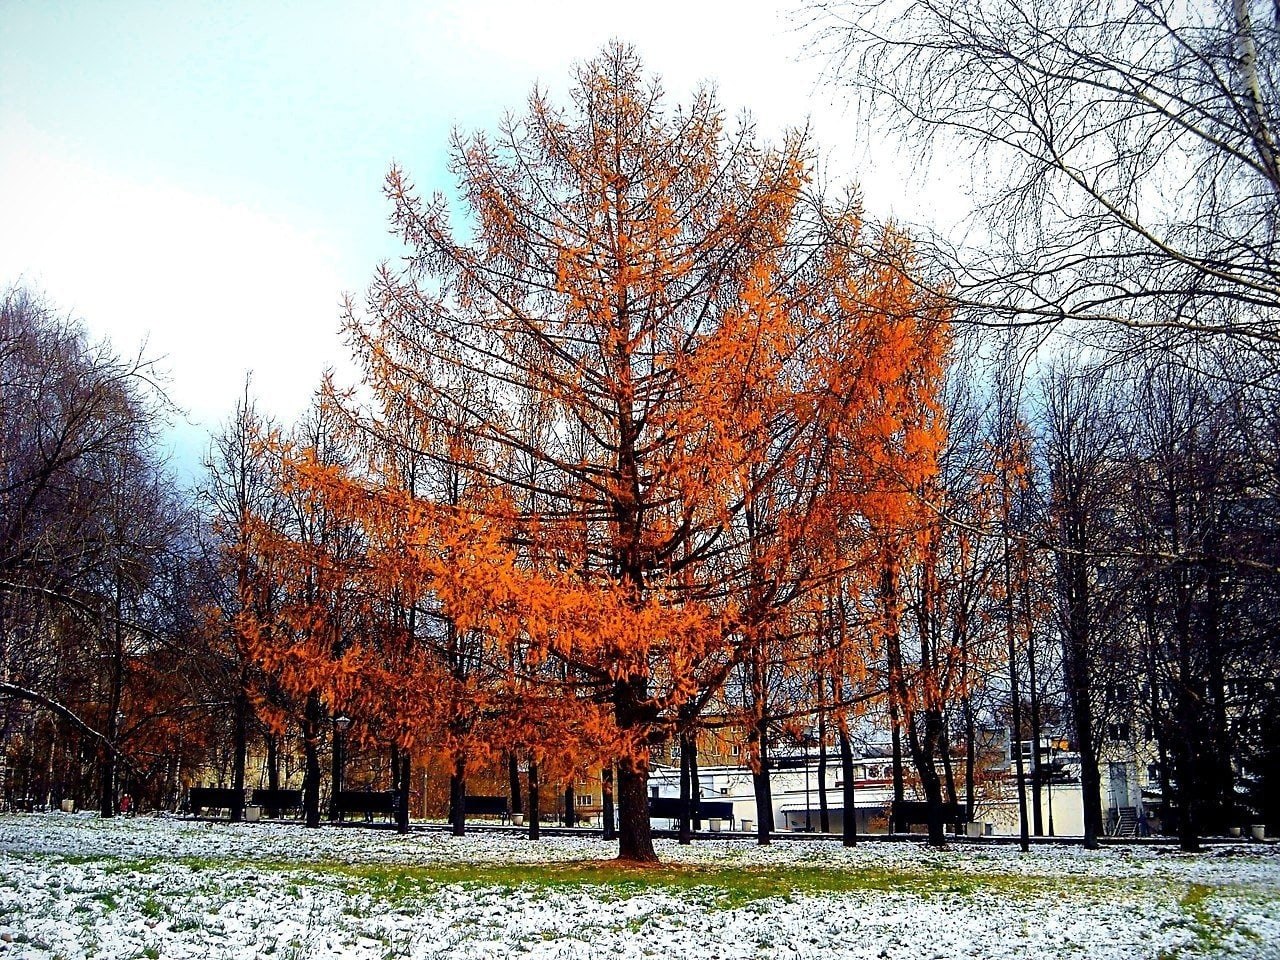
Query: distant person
(126,804)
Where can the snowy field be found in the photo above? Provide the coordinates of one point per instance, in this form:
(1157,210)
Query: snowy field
(76,886)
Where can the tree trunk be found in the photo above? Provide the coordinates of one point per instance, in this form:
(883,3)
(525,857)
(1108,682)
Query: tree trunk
(115,694)
(513,783)
(923,752)
(402,772)
(1015,739)
(762,786)
(824,814)
(606,813)
(1186,745)
(1076,668)
(899,791)
(695,784)
(635,839)
(686,802)
(458,796)
(1033,691)
(970,758)
(1219,773)
(535,801)
(849,832)
(273,770)
(949,776)
(239,749)
(570,810)
(107,786)
(311,749)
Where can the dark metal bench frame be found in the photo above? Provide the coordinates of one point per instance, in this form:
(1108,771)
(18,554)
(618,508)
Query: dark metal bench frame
(368,802)
(277,801)
(916,813)
(213,798)
(486,806)
(672,808)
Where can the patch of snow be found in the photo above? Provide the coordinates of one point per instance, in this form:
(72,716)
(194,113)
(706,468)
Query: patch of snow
(81,887)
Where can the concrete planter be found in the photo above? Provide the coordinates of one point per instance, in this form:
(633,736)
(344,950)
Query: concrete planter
(975,829)
(252,814)
(748,826)
(517,819)
(1233,831)
(715,825)
(1258,831)
(68,806)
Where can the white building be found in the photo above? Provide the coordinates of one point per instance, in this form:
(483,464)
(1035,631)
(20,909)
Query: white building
(796,793)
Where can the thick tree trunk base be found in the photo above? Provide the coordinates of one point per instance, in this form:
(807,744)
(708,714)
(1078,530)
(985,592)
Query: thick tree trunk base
(635,839)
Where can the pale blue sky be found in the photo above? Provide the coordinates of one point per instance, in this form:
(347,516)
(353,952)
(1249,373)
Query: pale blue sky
(208,176)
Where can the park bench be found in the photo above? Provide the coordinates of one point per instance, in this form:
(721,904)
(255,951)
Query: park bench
(213,798)
(908,813)
(482,806)
(672,808)
(371,803)
(276,802)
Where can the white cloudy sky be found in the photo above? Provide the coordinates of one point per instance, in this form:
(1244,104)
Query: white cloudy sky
(206,178)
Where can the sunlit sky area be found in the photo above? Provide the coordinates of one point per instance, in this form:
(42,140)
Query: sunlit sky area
(206,178)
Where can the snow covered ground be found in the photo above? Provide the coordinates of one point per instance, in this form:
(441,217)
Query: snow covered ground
(76,886)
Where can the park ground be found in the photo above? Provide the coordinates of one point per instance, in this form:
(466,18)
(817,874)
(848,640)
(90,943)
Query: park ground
(73,886)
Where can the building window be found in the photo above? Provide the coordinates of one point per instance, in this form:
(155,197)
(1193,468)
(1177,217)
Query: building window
(735,750)
(1118,732)
(585,800)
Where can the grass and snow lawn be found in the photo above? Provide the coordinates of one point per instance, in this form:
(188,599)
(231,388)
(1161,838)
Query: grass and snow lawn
(76,886)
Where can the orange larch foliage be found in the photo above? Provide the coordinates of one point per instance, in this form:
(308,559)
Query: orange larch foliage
(659,391)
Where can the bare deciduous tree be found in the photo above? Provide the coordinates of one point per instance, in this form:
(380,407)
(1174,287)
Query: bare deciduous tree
(1122,154)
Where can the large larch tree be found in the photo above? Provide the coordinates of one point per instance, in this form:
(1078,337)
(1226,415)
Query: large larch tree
(651,334)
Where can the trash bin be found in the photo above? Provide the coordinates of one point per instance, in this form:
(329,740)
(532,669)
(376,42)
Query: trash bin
(748,826)
(517,819)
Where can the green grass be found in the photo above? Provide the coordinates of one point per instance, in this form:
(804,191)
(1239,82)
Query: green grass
(1211,932)
(719,886)
(403,888)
